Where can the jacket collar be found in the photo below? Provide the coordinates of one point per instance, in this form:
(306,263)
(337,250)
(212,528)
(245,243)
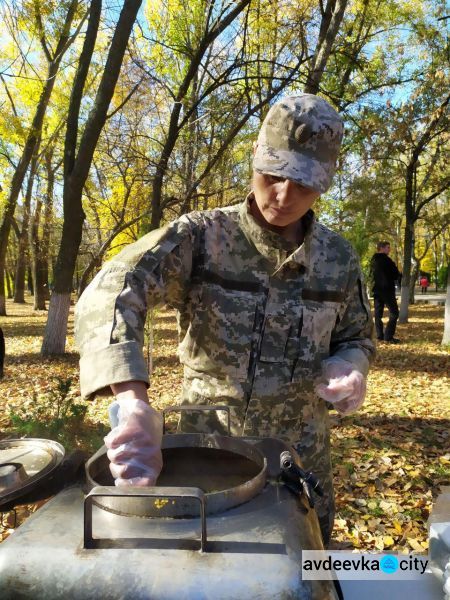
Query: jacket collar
(273,246)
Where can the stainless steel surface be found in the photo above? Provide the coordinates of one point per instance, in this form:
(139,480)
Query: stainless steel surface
(11,475)
(228,470)
(136,492)
(254,551)
(439,538)
(38,458)
(427,588)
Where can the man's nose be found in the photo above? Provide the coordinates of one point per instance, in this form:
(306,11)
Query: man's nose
(283,190)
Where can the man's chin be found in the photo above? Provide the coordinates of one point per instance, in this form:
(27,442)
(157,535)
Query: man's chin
(279,220)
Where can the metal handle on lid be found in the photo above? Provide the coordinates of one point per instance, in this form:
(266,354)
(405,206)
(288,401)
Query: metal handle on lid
(143,492)
(196,407)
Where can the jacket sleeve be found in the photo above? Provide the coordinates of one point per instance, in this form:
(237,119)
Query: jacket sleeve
(395,273)
(110,314)
(352,338)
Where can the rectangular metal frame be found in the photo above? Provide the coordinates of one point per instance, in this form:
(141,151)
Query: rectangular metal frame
(142,492)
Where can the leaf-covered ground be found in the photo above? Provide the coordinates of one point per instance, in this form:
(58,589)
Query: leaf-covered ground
(390,459)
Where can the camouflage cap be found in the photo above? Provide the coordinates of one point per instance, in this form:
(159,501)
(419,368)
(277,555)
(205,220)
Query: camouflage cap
(300,140)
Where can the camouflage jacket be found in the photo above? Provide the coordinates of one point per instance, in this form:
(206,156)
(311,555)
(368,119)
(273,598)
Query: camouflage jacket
(257,316)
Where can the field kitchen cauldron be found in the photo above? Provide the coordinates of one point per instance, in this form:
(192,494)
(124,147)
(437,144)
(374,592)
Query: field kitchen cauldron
(229,519)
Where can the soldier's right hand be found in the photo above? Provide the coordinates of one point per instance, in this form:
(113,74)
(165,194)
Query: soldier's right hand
(134,444)
(345,386)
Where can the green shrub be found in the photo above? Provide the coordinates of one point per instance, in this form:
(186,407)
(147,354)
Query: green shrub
(55,414)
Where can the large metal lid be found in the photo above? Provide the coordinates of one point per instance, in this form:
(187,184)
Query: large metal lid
(24,463)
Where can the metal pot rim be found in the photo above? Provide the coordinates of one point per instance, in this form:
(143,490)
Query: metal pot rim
(217,501)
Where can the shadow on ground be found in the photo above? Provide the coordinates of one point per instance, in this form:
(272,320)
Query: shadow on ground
(34,358)
(165,334)
(430,436)
(403,359)
(21,329)
(166,362)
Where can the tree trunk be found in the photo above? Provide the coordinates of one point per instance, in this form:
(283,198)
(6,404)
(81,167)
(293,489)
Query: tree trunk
(8,285)
(56,328)
(407,244)
(190,151)
(161,168)
(96,261)
(174,129)
(76,170)
(30,145)
(46,237)
(30,280)
(412,283)
(446,336)
(9,275)
(40,284)
(22,259)
(37,263)
(353,52)
(40,246)
(436,266)
(331,21)
(19,278)
(412,207)
(17,180)
(85,276)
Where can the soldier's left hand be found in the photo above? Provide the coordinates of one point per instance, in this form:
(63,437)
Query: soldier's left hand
(345,388)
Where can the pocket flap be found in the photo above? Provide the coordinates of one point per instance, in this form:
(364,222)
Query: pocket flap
(275,336)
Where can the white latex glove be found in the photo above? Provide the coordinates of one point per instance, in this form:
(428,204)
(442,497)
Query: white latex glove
(346,386)
(134,445)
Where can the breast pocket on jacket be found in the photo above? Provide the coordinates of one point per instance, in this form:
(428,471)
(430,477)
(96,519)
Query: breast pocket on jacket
(276,333)
(318,322)
(219,337)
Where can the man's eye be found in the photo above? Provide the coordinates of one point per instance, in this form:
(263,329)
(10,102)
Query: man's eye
(274,178)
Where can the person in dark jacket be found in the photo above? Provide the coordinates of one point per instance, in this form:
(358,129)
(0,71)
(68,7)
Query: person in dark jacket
(384,275)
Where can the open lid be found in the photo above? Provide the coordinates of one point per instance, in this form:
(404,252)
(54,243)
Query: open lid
(24,463)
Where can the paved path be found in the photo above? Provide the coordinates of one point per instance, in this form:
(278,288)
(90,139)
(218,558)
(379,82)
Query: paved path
(430,297)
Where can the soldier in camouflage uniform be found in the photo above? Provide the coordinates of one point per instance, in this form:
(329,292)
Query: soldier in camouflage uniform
(265,296)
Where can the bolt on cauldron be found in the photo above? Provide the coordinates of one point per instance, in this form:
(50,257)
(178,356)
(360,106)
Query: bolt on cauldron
(221,524)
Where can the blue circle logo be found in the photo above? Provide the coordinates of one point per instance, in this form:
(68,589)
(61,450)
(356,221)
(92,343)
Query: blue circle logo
(389,564)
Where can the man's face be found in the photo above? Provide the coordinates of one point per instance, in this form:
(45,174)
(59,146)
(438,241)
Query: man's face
(280,202)
(386,249)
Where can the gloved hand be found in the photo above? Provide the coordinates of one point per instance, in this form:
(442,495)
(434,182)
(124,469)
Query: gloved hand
(346,386)
(134,445)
